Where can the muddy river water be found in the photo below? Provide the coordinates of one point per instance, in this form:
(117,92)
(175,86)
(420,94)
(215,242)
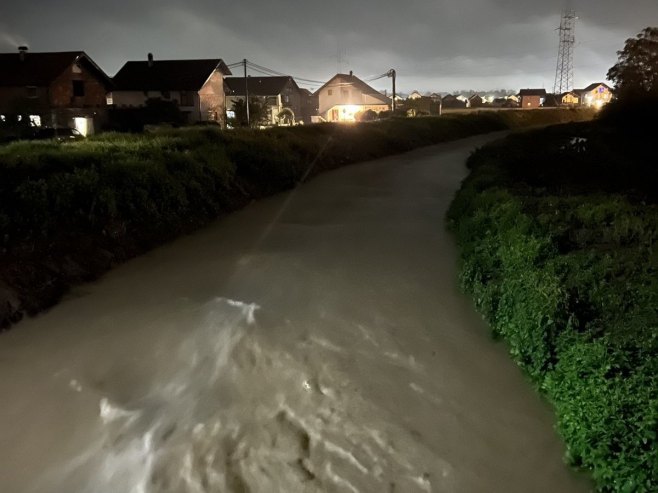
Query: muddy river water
(314,341)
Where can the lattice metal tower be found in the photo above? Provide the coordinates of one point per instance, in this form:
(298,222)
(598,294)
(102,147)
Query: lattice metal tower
(564,70)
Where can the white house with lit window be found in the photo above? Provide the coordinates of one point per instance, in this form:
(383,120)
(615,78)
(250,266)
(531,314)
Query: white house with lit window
(345,97)
(595,95)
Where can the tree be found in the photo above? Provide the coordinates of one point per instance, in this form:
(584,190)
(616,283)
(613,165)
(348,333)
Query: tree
(636,73)
(257,113)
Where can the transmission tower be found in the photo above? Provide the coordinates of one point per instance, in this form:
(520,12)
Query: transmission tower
(564,70)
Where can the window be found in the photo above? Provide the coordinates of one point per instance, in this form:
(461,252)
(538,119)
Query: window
(330,92)
(78,88)
(31,92)
(344,92)
(76,69)
(109,99)
(35,120)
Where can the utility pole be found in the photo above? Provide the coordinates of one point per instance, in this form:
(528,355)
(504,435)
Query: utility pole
(392,74)
(246,91)
(564,69)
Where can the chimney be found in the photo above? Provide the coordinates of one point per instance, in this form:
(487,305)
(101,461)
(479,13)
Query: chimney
(22,50)
(150,57)
(351,73)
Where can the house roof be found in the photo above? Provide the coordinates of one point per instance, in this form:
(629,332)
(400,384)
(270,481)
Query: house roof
(532,92)
(258,86)
(354,81)
(591,87)
(41,69)
(167,75)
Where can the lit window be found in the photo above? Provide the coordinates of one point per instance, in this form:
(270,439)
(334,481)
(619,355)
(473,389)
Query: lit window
(3,118)
(109,99)
(35,120)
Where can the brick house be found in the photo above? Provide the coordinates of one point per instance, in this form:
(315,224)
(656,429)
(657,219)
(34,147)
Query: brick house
(345,96)
(195,86)
(59,89)
(532,98)
(283,99)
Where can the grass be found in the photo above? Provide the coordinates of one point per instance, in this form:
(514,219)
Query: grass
(71,211)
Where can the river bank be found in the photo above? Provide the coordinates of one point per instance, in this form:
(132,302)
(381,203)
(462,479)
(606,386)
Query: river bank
(557,232)
(71,212)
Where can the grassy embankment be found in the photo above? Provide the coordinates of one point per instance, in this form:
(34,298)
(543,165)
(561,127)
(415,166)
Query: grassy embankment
(69,212)
(557,230)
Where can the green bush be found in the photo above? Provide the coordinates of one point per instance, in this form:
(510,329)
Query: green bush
(564,268)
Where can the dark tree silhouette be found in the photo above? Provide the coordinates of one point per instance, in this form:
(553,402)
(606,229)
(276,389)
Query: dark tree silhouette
(636,73)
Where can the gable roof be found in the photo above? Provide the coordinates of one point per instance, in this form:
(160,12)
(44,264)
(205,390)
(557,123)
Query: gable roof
(167,75)
(258,86)
(591,87)
(354,81)
(532,92)
(41,69)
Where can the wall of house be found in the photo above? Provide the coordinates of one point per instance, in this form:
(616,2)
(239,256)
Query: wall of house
(61,90)
(19,100)
(347,113)
(570,99)
(341,92)
(597,97)
(530,102)
(212,100)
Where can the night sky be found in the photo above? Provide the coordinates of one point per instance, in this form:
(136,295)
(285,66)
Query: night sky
(435,45)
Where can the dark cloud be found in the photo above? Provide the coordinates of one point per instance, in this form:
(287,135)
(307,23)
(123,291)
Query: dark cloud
(433,44)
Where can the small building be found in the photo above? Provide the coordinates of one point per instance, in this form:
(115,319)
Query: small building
(195,86)
(450,101)
(532,98)
(595,95)
(570,99)
(59,89)
(280,95)
(344,97)
(415,95)
(475,101)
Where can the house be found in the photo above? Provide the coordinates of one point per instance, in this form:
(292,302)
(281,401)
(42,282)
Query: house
(532,98)
(195,86)
(552,101)
(424,106)
(345,96)
(451,101)
(570,99)
(435,96)
(415,95)
(465,100)
(595,95)
(59,89)
(280,95)
(309,106)
(475,101)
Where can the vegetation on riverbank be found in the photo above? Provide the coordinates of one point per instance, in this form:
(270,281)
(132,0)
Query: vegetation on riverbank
(557,230)
(70,211)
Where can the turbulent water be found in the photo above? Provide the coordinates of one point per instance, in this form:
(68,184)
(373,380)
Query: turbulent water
(312,342)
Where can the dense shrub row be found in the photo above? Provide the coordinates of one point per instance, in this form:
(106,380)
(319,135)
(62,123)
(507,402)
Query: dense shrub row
(558,230)
(70,211)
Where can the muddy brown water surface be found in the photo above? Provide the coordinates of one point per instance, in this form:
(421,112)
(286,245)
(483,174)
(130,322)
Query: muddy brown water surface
(314,341)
